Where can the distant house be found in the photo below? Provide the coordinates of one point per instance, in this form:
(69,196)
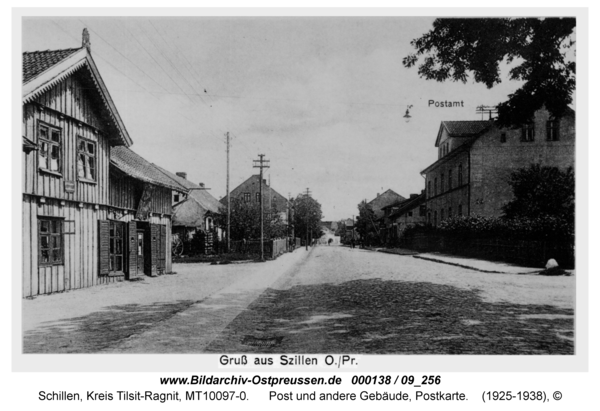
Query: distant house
(346,230)
(194,211)
(384,199)
(409,213)
(249,191)
(476,159)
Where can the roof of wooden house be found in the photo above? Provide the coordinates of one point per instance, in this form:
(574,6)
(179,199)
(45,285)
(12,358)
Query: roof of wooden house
(415,200)
(196,193)
(253,179)
(134,165)
(192,211)
(42,70)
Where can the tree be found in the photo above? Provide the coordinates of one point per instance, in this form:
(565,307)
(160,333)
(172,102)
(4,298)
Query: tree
(541,192)
(307,213)
(365,223)
(245,221)
(456,48)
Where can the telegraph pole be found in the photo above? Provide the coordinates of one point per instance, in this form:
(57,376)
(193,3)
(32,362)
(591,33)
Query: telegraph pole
(261,163)
(307,197)
(228,198)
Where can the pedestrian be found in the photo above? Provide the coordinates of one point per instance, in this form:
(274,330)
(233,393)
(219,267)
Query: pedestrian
(352,242)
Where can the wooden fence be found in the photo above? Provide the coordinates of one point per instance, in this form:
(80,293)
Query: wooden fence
(272,248)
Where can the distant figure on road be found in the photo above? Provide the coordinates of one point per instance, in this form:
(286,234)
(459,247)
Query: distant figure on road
(352,242)
(330,241)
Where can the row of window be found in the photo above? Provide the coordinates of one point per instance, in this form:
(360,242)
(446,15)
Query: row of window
(247,197)
(528,132)
(445,184)
(445,149)
(50,155)
(51,243)
(443,214)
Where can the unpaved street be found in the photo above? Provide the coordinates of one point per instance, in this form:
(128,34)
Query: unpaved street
(333,299)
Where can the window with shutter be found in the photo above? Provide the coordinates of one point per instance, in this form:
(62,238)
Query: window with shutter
(116,247)
(163,248)
(103,247)
(133,251)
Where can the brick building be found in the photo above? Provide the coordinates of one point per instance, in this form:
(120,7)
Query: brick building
(384,199)
(476,159)
(249,191)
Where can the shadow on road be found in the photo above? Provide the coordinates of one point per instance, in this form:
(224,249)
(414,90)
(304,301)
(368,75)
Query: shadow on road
(386,317)
(99,330)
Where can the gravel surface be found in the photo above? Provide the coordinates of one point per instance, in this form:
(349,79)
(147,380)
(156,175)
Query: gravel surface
(331,299)
(126,316)
(357,301)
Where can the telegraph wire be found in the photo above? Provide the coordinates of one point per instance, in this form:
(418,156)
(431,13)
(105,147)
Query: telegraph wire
(152,93)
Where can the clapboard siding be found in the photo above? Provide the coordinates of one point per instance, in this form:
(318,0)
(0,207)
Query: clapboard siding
(165,221)
(126,192)
(80,250)
(71,107)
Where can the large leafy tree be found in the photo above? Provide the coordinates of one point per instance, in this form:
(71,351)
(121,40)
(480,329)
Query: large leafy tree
(245,221)
(537,48)
(307,214)
(541,192)
(366,225)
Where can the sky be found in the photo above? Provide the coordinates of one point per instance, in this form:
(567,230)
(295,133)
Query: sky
(323,98)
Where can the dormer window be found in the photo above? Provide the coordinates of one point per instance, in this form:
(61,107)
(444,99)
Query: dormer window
(528,132)
(552,130)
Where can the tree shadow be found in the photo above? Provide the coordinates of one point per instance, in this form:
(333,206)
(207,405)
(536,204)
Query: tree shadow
(395,317)
(99,330)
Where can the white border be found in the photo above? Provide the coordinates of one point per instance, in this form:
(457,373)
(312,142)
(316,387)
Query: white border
(384,363)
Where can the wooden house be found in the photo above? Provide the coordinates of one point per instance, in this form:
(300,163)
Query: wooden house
(140,214)
(195,213)
(72,232)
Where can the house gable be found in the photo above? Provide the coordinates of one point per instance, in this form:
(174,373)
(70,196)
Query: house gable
(43,72)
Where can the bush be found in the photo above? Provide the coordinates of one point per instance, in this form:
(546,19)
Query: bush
(524,228)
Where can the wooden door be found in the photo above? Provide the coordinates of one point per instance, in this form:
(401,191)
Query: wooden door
(140,251)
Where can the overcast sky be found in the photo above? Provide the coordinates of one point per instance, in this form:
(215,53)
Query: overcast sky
(322,98)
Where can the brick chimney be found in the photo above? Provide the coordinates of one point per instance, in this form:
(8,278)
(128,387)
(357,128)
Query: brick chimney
(85,40)
(181,174)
